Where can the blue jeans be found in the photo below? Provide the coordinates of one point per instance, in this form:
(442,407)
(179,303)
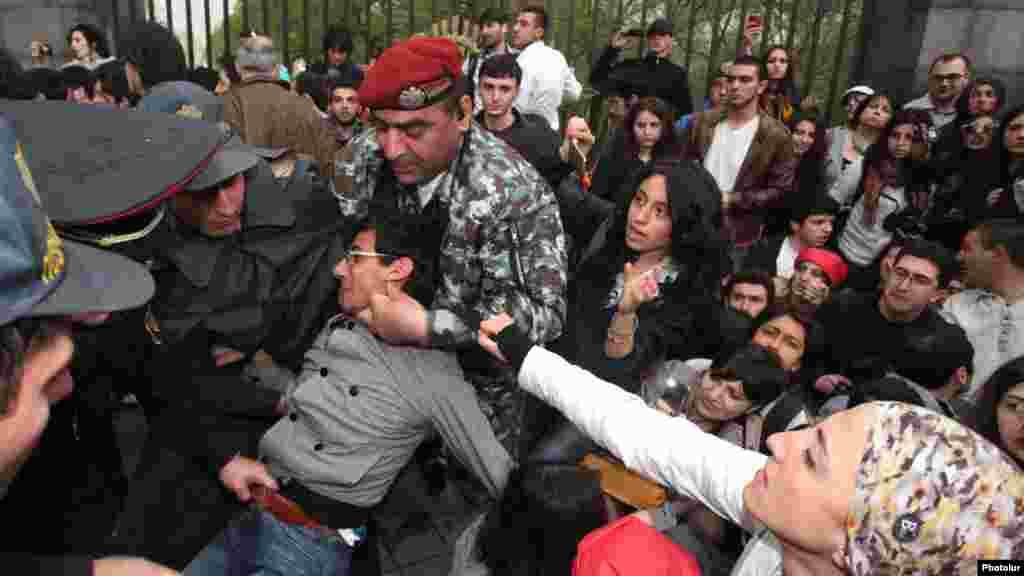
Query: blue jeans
(258,544)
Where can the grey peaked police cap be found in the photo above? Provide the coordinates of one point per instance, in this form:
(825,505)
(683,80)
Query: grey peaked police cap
(94,165)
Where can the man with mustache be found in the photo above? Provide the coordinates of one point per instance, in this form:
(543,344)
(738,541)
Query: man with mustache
(499,239)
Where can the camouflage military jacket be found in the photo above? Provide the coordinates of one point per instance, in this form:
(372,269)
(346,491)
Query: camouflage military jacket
(504,246)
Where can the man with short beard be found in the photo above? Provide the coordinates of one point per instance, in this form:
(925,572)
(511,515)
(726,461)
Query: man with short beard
(343,110)
(491,41)
(947,78)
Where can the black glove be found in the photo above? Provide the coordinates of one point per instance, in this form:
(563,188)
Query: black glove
(514,345)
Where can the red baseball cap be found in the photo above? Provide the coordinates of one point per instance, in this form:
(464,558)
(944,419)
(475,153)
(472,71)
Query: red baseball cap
(831,263)
(411,75)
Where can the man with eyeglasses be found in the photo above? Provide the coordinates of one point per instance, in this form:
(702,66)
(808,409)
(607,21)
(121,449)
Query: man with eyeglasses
(241,281)
(48,285)
(991,310)
(864,332)
(947,78)
(352,419)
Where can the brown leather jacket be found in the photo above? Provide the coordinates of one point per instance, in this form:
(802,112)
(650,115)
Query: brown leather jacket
(765,176)
(266,114)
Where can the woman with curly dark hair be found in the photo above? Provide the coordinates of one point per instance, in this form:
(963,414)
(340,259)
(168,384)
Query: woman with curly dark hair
(649,136)
(152,55)
(89,46)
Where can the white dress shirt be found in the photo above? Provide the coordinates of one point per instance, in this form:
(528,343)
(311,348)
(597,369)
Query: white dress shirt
(547,81)
(994,328)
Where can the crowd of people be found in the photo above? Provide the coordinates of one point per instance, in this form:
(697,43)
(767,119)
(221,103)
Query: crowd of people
(720,339)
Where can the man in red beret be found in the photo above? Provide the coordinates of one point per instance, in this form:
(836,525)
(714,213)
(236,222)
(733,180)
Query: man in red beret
(501,245)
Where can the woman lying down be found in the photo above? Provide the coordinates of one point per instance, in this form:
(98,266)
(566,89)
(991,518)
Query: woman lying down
(885,488)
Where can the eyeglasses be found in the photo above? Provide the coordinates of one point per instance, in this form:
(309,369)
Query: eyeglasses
(349,253)
(942,78)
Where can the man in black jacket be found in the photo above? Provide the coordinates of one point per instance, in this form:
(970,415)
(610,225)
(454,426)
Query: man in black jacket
(241,276)
(666,79)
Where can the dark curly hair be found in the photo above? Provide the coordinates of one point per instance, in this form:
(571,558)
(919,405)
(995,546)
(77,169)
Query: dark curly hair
(154,51)
(94,36)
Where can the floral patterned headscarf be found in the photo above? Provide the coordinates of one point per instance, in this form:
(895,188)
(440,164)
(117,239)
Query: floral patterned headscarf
(932,497)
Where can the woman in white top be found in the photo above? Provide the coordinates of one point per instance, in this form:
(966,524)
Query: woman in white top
(888,187)
(847,146)
(886,488)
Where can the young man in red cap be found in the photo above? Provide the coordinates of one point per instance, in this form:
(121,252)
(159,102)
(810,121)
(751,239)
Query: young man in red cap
(817,273)
(495,221)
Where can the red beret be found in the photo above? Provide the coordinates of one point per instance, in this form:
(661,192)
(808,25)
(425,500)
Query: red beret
(829,261)
(412,74)
(630,546)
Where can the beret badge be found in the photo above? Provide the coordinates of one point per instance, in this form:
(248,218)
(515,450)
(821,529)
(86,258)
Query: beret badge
(412,98)
(906,528)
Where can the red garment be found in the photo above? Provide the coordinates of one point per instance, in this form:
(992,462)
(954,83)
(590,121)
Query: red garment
(411,75)
(631,547)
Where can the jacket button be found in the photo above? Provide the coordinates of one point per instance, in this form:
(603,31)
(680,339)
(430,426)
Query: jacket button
(318,447)
(293,416)
(350,325)
(323,372)
(354,391)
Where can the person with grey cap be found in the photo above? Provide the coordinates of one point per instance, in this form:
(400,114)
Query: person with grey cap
(48,285)
(851,99)
(665,79)
(241,278)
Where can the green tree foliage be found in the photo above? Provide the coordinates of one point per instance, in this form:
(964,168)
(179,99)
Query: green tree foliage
(707,31)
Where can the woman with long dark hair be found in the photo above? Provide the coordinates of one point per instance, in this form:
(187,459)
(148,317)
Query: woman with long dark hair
(999,415)
(663,237)
(648,135)
(89,46)
(1008,199)
(781,98)
(891,183)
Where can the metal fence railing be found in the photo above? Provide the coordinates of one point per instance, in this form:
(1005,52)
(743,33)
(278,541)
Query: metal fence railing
(821,34)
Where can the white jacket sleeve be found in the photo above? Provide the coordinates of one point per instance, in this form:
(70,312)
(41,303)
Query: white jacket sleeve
(671,451)
(571,87)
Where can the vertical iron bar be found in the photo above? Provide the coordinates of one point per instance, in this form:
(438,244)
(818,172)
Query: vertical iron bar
(152,10)
(170,17)
(741,29)
(791,33)
(227,27)
(245,14)
(326,5)
(412,17)
(285,53)
(769,8)
(369,29)
(389,21)
(348,14)
(569,54)
(691,25)
(132,14)
(188,35)
(434,11)
(643,24)
(209,34)
(116,9)
(838,62)
(305,30)
(713,55)
(809,69)
(266,18)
